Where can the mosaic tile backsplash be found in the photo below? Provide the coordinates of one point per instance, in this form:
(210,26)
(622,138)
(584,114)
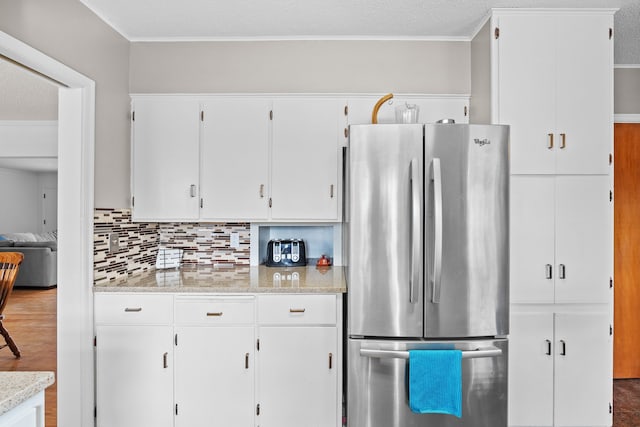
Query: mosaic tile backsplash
(203,243)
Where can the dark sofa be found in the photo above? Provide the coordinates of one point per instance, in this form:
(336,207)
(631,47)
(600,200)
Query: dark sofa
(40,265)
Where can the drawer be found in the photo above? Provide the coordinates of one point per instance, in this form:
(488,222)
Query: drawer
(135,309)
(213,311)
(297,309)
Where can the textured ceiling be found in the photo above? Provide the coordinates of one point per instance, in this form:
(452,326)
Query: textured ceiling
(152,20)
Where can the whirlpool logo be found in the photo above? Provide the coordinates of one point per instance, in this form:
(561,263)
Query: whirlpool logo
(482,142)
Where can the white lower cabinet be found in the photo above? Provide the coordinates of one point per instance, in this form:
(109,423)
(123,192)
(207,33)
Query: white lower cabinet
(224,360)
(134,375)
(560,369)
(297,379)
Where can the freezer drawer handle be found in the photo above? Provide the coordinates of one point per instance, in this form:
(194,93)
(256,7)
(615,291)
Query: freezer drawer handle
(399,354)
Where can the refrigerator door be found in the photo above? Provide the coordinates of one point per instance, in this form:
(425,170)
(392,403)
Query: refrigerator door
(377,388)
(467,231)
(384,223)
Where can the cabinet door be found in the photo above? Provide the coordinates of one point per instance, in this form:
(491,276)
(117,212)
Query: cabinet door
(214,376)
(584,242)
(583,386)
(531,369)
(305,158)
(165,158)
(235,159)
(584,94)
(134,376)
(532,239)
(297,380)
(526,90)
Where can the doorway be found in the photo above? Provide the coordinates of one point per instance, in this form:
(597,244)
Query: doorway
(626,342)
(76,108)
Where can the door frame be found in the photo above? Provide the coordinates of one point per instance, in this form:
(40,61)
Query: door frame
(76,136)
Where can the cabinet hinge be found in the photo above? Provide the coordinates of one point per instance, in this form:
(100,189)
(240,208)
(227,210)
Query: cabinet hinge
(610,408)
(175,339)
(44,196)
(610,282)
(95,341)
(176,409)
(610,33)
(95,412)
(202,116)
(466,110)
(44,221)
(133,201)
(258,409)
(346,110)
(258,344)
(610,196)
(496,33)
(610,330)
(133,116)
(201,203)
(270,204)
(271,115)
(610,158)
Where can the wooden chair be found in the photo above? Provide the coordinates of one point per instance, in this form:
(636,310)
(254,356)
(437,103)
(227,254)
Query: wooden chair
(9,266)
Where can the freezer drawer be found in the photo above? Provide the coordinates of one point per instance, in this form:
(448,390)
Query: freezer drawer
(377,384)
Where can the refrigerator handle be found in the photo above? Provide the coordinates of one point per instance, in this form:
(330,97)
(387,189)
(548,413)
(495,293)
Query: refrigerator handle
(436,177)
(416,232)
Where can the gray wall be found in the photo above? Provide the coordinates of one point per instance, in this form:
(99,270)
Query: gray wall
(26,96)
(69,32)
(301,66)
(627,91)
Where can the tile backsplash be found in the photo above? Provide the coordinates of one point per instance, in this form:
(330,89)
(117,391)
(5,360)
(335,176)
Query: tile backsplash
(203,243)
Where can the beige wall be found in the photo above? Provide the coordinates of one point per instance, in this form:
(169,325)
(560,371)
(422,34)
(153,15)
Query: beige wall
(480,104)
(69,32)
(627,91)
(301,66)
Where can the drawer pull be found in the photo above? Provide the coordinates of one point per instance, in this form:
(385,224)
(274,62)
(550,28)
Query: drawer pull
(297,310)
(216,314)
(133,310)
(246,361)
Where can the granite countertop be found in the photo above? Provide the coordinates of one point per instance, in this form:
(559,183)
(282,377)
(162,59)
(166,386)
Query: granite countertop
(258,279)
(17,387)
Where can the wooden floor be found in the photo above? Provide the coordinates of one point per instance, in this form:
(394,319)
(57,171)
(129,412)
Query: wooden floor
(31,319)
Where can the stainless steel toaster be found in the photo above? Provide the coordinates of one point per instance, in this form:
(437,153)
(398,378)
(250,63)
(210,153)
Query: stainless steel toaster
(286,253)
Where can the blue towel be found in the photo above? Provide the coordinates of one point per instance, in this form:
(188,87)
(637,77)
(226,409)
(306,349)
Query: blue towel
(435,381)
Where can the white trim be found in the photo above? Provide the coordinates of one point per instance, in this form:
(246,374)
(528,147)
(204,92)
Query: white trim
(553,10)
(622,66)
(75,257)
(29,138)
(181,39)
(626,118)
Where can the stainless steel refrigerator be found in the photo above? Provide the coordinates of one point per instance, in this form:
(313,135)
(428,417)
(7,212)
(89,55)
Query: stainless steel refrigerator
(426,220)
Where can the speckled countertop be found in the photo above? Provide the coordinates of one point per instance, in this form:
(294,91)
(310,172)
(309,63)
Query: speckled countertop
(17,387)
(258,279)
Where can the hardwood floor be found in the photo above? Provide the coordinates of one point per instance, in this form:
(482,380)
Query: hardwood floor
(31,319)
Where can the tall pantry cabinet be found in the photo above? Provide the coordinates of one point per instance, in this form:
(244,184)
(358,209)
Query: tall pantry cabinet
(550,77)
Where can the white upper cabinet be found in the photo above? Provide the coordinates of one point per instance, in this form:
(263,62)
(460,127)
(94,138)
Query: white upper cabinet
(553,74)
(165,153)
(308,135)
(234,157)
(561,239)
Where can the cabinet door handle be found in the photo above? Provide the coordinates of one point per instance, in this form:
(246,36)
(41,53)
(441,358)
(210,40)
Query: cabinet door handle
(548,353)
(214,314)
(165,360)
(192,190)
(330,360)
(550,143)
(262,191)
(563,140)
(133,309)
(562,274)
(297,310)
(331,191)
(246,361)
(549,271)
(563,349)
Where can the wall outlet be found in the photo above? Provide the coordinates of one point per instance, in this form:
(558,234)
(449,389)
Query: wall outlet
(114,242)
(235,240)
